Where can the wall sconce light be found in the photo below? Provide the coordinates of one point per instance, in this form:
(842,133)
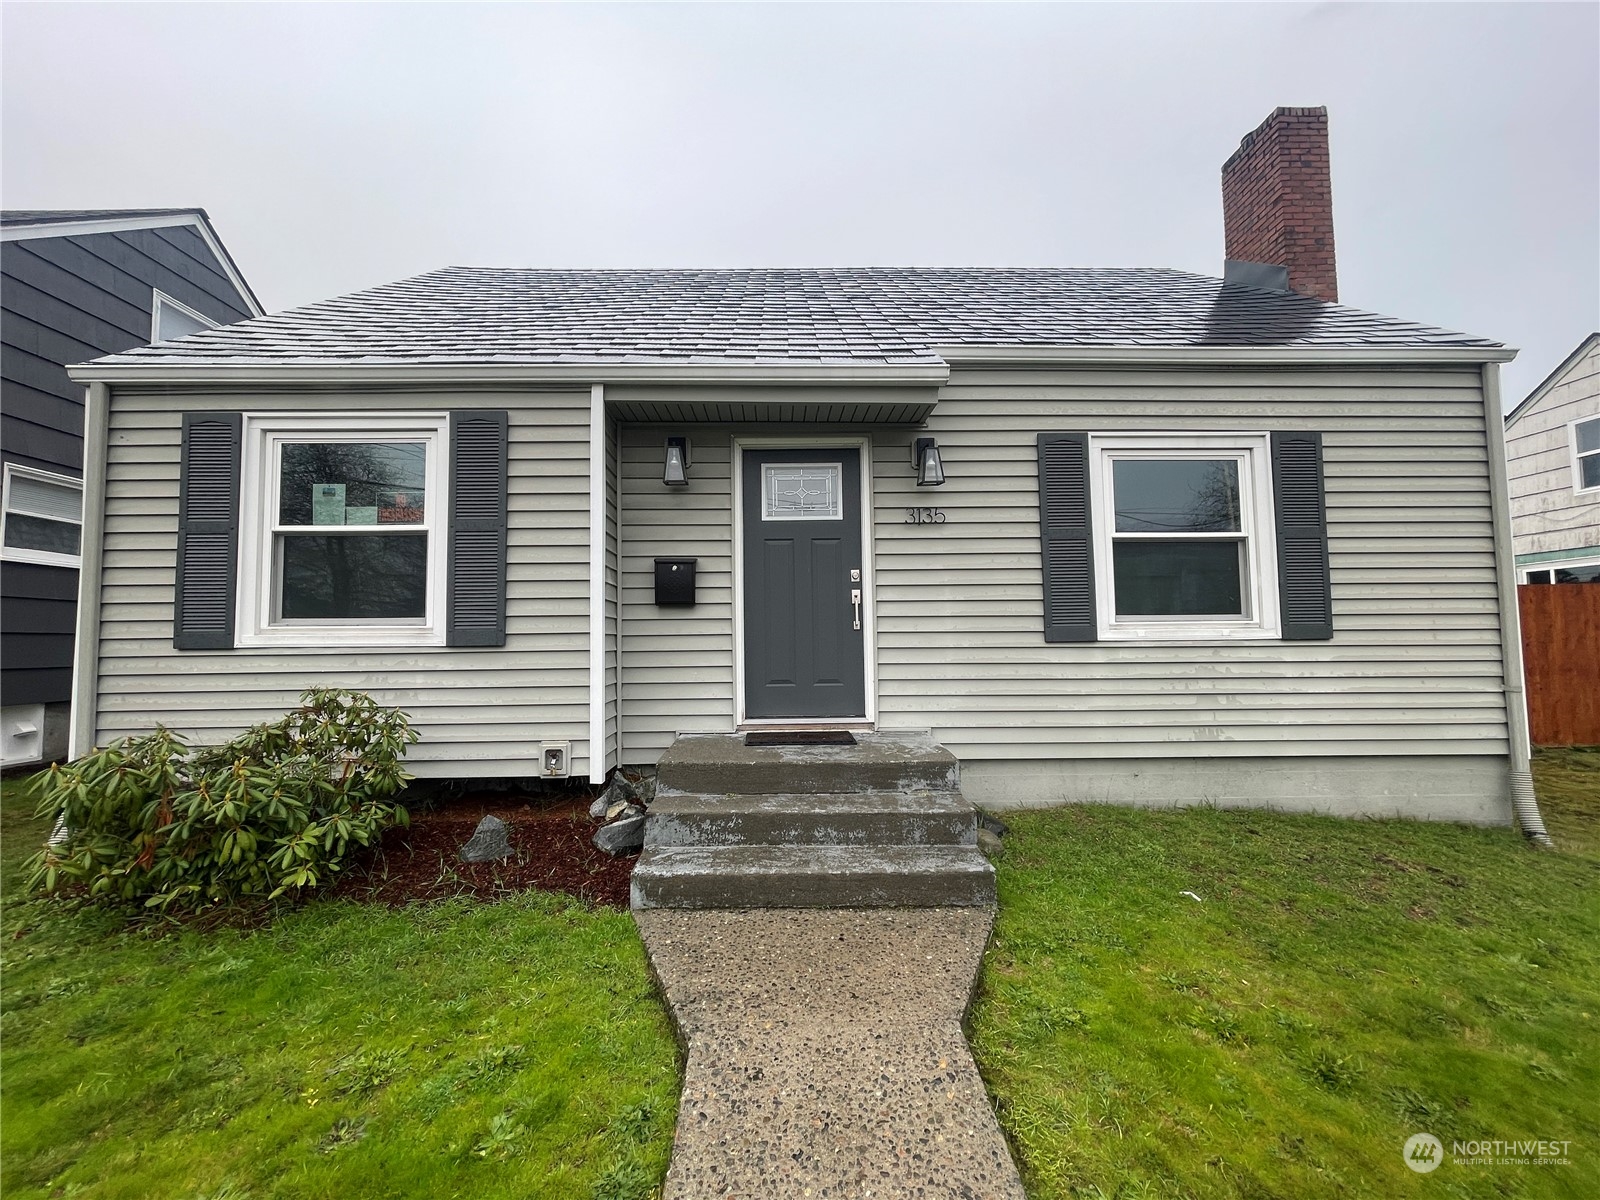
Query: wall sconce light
(925,460)
(676,471)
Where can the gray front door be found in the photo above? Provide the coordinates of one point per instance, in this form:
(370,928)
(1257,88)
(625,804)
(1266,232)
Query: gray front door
(803,646)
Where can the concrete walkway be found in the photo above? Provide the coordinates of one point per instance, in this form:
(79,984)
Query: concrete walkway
(825,1054)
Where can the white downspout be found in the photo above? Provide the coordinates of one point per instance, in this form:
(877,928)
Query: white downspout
(1523,802)
(597,583)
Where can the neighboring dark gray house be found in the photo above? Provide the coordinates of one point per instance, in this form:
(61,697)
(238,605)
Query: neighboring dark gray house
(76,285)
(1133,535)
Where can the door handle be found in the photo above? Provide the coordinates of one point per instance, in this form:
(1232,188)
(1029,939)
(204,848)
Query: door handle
(855,598)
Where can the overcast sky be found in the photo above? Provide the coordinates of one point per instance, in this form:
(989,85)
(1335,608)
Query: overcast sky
(340,146)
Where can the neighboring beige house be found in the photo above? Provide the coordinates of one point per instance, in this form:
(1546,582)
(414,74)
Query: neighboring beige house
(1553,456)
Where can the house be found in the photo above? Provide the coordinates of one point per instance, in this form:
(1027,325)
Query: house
(76,285)
(1118,535)
(1553,448)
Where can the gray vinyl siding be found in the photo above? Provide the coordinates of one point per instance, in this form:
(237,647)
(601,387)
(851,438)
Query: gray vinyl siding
(1414,666)
(481,712)
(1547,515)
(677,663)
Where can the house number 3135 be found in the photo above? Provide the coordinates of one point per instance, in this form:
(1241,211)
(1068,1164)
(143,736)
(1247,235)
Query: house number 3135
(924,516)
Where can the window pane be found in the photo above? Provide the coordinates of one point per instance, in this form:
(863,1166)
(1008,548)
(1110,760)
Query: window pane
(1179,579)
(352,483)
(353,576)
(1538,576)
(175,323)
(36,533)
(1588,435)
(805,492)
(45,499)
(1176,495)
(1585,574)
(1589,471)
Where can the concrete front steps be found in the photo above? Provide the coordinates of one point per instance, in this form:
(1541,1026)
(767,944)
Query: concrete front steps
(878,824)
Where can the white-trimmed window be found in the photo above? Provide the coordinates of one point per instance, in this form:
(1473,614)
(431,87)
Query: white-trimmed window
(1585,571)
(343,530)
(42,517)
(1586,455)
(1184,541)
(170,319)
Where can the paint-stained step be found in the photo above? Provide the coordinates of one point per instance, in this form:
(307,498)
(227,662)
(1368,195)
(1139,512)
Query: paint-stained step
(916,818)
(811,876)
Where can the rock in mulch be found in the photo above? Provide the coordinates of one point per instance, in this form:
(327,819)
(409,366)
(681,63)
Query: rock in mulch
(489,842)
(550,851)
(624,835)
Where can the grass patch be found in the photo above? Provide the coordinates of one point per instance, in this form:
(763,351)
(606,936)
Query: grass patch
(513,1049)
(1340,986)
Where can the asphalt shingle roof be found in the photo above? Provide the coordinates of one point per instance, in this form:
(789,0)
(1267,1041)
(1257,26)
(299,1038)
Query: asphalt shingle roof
(869,315)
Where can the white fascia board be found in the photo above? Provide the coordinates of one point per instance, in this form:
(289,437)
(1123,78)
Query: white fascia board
(347,373)
(43,229)
(1210,356)
(194,218)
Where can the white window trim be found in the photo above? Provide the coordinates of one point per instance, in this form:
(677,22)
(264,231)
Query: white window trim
(1572,445)
(158,299)
(1254,453)
(49,558)
(258,502)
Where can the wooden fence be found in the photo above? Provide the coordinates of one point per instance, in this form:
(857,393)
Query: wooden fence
(1561,661)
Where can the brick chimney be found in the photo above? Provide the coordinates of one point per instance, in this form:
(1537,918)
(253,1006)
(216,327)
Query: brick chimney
(1277,203)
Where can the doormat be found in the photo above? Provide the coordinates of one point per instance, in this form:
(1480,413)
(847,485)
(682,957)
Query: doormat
(801,737)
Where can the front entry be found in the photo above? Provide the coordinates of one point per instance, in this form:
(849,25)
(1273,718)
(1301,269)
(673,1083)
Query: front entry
(804,656)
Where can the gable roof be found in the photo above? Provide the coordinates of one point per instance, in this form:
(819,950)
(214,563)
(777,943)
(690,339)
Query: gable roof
(1553,378)
(19,224)
(871,316)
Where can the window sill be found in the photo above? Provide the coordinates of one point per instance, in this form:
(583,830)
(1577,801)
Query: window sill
(325,638)
(42,558)
(1189,633)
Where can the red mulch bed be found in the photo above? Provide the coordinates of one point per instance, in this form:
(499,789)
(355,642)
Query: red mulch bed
(551,851)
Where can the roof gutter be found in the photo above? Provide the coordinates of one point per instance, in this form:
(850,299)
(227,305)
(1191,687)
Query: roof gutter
(213,371)
(1211,356)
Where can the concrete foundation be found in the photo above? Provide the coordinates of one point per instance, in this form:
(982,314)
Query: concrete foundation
(1473,789)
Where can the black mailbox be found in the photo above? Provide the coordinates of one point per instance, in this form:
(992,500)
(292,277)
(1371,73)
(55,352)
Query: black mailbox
(675,581)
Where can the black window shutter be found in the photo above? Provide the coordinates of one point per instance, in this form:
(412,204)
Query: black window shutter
(1068,546)
(477,584)
(1304,592)
(208,532)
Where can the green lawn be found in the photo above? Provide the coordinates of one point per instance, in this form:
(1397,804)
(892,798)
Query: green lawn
(457,1049)
(1340,986)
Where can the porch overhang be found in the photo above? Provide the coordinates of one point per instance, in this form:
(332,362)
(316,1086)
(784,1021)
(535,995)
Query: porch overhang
(846,403)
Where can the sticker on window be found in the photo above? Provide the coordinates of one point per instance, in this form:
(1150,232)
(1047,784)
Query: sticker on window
(801,492)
